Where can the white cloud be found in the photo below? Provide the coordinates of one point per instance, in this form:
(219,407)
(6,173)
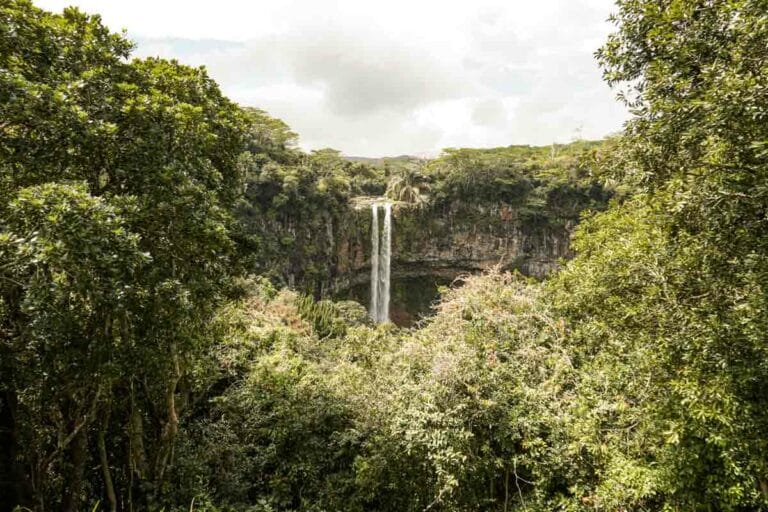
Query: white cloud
(386,78)
(489,113)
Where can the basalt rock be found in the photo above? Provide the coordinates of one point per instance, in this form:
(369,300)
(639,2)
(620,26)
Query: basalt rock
(450,240)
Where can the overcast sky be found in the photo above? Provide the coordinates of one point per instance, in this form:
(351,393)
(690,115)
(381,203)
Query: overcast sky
(376,78)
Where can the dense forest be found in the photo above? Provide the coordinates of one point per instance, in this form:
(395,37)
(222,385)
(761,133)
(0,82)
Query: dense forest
(170,260)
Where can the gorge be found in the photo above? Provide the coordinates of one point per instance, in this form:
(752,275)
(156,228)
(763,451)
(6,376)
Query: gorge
(198,315)
(309,225)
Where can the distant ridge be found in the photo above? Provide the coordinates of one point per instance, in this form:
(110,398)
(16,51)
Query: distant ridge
(429,155)
(385,159)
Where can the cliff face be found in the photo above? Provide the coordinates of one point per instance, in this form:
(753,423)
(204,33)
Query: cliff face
(476,237)
(512,207)
(455,238)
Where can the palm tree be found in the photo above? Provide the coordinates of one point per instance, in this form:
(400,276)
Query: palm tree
(406,186)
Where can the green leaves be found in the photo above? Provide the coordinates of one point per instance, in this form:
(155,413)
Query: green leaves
(658,293)
(116,182)
(634,380)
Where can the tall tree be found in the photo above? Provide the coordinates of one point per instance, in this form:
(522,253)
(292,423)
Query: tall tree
(116,182)
(670,292)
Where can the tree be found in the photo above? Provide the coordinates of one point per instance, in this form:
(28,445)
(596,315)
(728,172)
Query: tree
(270,137)
(406,186)
(68,286)
(139,163)
(667,297)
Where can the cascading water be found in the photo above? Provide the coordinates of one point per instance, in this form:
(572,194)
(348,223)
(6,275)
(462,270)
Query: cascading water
(386,250)
(380,261)
(374,310)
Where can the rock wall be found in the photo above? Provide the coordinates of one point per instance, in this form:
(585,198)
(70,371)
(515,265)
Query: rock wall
(452,239)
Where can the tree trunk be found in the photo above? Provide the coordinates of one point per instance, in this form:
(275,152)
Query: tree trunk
(14,482)
(104,461)
(137,459)
(78,451)
(171,427)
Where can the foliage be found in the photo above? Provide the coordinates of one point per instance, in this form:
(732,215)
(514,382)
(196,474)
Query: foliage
(668,296)
(539,182)
(406,186)
(384,420)
(137,364)
(116,181)
(466,409)
(296,221)
(293,216)
(272,432)
(270,139)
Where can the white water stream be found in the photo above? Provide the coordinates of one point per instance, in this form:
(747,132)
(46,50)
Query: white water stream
(381,249)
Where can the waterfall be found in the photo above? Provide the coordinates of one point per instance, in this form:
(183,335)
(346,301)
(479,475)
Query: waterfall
(380,262)
(374,310)
(385,249)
